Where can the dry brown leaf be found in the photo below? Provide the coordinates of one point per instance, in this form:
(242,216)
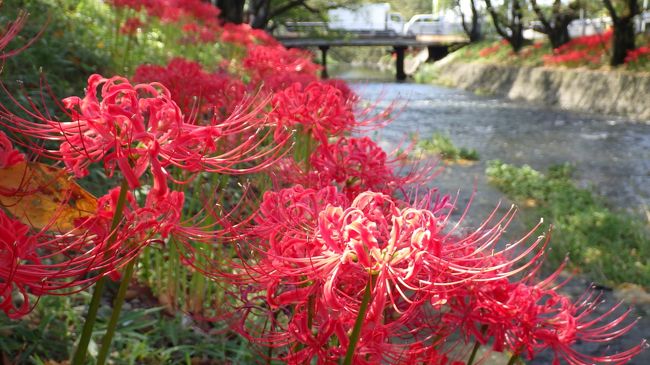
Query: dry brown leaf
(43,196)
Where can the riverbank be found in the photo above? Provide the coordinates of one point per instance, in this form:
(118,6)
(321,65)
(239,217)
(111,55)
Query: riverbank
(602,92)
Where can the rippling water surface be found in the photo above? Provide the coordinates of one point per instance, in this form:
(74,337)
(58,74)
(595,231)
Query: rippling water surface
(610,154)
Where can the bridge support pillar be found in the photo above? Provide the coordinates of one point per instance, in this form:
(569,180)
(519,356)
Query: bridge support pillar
(437,53)
(400,75)
(323,50)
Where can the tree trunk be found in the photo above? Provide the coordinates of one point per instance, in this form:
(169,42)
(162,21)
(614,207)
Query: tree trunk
(511,30)
(559,34)
(556,26)
(516,27)
(622,41)
(232,11)
(260,12)
(475,33)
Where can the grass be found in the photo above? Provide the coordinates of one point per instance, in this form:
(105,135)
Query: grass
(609,246)
(442,145)
(144,336)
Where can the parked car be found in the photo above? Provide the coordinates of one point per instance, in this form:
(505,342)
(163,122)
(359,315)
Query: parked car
(444,23)
(423,24)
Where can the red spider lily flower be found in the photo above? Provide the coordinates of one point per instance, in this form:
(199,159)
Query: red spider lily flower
(46,262)
(317,251)
(318,108)
(264,61)
(635,54)
(197,33)
(581,50)
(354,165)
(11,31)
(15,246)
(244,35)
(193,88)
(139,128)
(357,165)
(346,92)
(173,10)
(8,155)
(529,318)
(485,52)
(131,4)
(280,81)
(131,26)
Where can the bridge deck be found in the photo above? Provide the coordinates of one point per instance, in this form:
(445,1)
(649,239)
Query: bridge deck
(438,46)
(420,41)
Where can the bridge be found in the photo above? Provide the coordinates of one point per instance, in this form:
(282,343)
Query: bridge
(437,45)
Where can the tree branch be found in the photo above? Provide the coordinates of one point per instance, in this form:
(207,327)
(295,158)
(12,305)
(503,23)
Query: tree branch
(286,7)
(611,10)
(540,15)
(496,20)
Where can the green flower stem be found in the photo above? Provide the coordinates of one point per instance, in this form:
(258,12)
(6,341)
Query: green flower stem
(513,359)
(356,331)
(115,316)
(476,346)
(79,357)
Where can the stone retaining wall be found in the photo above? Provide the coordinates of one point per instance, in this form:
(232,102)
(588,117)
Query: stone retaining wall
(613,93)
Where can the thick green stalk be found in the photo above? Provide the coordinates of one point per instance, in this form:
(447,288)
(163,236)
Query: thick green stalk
(513,359)
(476,346)
(79,357)
(361,316)
(115,316)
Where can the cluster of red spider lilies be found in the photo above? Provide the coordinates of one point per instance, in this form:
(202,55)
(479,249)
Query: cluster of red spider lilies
(333,263)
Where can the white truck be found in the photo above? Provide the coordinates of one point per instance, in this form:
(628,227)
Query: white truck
(366,19)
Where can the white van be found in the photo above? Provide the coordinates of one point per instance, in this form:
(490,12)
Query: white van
(421,24)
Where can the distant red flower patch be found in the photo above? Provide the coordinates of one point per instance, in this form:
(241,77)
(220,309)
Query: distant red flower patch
(265,62)
(636,54)
(193,88)
(485,52)
(581,51)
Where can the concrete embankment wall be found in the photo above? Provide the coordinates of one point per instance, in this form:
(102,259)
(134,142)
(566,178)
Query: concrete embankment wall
(614,93)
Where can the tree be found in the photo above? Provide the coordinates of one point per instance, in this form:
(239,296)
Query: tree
(556,24)
(622,13)
(232,11)
(473,29)
(510,26)
(263,11)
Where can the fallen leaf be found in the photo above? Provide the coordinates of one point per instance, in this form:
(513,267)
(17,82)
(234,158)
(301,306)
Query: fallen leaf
(43,196)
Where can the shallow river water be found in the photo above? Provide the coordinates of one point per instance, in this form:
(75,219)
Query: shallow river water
(611,155)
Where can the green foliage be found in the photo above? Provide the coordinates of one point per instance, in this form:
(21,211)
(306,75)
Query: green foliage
(44,333)
(64,52)
(443,146)
(82,37)
(426,73)
(490,51)
(609,246)
(144,336)
(148,336)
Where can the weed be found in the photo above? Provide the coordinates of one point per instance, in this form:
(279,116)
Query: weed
(609,246)
(443,146)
